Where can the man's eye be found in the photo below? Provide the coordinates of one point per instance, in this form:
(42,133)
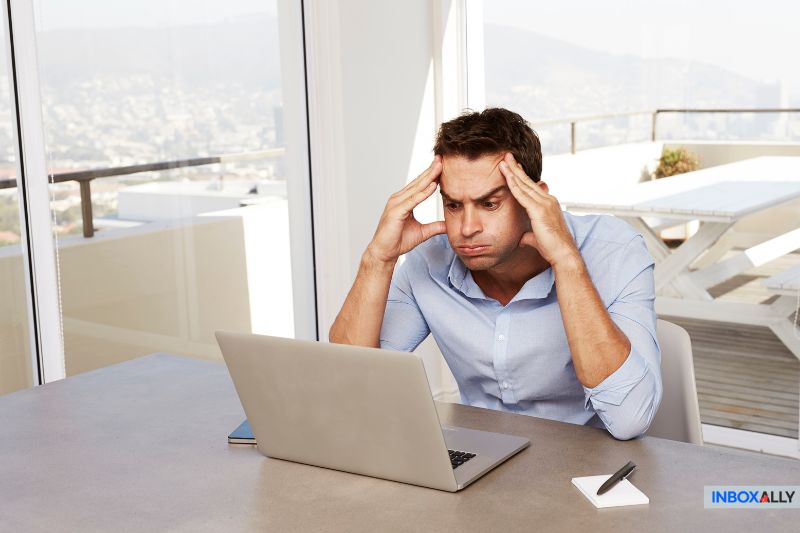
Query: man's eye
(452,205)
(490,205)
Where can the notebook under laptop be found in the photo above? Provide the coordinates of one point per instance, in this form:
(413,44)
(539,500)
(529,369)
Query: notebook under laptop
(355,409)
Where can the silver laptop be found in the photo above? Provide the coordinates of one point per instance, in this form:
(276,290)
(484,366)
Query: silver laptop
(355,409)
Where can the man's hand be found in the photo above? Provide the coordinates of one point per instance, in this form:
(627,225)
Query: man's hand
(550,234)
(398,231)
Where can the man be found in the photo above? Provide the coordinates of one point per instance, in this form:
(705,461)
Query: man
(536,311)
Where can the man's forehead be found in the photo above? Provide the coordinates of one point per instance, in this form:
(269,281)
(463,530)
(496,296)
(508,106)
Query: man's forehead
(472,178)
(485,165)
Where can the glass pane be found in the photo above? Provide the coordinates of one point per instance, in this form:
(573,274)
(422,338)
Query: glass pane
(15,356)
(173,117)
(589,76)
(616,57)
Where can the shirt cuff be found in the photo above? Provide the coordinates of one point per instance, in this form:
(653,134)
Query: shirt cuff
(616,386)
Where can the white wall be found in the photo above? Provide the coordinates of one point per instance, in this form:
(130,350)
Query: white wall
(387,57)
(384,126)
(374,60)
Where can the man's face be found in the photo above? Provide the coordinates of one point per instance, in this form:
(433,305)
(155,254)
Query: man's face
(484,221)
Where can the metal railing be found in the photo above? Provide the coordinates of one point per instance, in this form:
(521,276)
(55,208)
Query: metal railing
(573,122)
(85,177)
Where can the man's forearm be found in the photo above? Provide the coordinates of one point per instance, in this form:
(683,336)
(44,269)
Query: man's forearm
(361,317)
(598,346)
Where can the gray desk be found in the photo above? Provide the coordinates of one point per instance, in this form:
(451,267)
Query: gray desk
(141,446)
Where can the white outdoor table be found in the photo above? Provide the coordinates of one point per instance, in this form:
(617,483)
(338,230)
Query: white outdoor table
(717,197)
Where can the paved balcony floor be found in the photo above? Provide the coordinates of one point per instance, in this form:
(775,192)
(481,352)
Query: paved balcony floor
(746,378)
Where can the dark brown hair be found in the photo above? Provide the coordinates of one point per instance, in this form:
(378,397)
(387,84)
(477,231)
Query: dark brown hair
(492,131)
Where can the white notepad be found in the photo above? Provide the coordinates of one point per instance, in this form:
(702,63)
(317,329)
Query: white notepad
(623,493)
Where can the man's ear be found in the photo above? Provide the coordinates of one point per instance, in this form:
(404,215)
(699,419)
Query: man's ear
(545,187)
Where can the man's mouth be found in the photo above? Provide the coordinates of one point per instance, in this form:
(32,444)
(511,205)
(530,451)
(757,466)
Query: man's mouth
(472,249)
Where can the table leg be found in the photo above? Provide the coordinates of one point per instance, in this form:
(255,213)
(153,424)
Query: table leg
(655,245)
(658,250)
(677,264)
(752,257)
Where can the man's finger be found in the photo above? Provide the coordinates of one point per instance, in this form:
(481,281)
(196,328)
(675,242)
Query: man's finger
(519,189)
(513,184)
(527,181)
(434,228)
(430,173)
(530,189)
(515,167)
(413,200)
(407,193)
(522,180)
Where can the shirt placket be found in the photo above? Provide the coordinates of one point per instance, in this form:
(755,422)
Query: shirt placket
(499,357)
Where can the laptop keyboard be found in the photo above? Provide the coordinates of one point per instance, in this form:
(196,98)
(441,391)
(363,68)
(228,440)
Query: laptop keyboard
(458,458)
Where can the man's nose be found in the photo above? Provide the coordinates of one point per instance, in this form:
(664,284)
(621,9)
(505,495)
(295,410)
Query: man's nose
(470,223)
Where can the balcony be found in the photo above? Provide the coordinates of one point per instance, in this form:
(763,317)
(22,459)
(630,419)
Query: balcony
(747,379)
(186,258)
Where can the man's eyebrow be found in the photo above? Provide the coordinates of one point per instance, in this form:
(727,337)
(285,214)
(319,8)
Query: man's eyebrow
(491,193)
(480,198)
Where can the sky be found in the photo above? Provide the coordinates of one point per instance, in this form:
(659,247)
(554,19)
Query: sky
(59,14)
(758,39)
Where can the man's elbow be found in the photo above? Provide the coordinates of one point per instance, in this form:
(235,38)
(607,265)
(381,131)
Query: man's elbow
(633,426)
(638,422)
(628,431)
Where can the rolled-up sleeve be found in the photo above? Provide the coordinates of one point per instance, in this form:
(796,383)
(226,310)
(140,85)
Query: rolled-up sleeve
(404,326)
(627,400)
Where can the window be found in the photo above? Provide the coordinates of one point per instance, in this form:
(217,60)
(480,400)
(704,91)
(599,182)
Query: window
(612,88)
(560,61)
(178,178)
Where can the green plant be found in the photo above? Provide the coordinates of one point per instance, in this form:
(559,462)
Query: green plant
(676,161)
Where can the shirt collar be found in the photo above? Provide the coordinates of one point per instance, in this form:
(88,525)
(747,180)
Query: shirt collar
(537,287)
(461,279)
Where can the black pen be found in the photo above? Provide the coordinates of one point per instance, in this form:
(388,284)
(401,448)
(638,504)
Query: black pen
(618,476)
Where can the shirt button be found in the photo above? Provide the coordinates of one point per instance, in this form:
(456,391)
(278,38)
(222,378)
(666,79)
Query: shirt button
(501,337)
(505,385)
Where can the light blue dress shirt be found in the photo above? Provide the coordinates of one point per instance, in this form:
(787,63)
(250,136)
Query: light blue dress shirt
(516,358)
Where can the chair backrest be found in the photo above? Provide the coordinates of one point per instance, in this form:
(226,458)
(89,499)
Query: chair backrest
(678,417)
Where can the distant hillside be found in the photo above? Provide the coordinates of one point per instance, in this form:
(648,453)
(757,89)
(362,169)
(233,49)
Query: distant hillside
(548,78)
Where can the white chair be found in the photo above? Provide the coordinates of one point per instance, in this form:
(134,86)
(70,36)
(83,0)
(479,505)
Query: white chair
(678,417)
